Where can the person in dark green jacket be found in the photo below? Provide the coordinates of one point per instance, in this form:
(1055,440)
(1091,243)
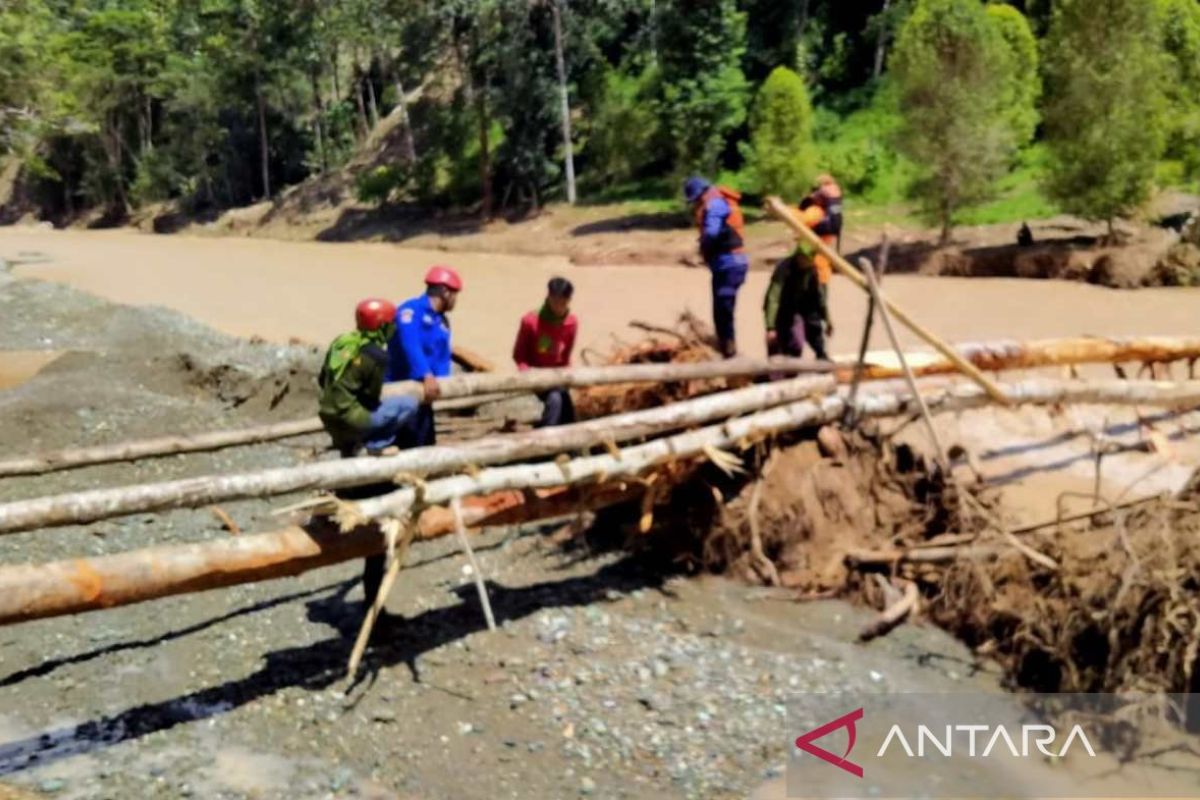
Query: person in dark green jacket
(352,408)
(796,308)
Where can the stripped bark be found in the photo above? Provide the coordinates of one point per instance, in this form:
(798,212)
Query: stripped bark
(65,587)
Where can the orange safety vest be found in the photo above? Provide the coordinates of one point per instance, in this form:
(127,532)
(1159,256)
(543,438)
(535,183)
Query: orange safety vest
(814,216)
(733,236)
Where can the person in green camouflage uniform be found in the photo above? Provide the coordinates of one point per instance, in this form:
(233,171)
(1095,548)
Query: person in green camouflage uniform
(351,406)
(796,308)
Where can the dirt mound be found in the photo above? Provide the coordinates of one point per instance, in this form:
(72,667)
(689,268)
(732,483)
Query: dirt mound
(1108,605)
(821,498)
(1075,258)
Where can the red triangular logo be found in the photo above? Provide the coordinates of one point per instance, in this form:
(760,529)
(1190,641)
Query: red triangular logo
(847,721)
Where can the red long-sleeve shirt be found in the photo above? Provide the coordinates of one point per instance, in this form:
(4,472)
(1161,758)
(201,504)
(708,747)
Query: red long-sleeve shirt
(542,342)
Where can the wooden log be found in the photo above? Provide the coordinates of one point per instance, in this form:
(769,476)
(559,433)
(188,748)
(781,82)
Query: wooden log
(789,217)
(159,446)
(74,457)
(76,585)
(66,587)
(632,461)
(96,504)
(539,380)
(997,356)
(457,392)
(470,360)
(991,356)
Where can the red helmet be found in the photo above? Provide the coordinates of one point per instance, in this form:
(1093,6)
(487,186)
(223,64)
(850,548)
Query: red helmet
(443,276)
(373,314)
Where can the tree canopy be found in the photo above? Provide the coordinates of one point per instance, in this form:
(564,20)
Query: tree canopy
(113,104)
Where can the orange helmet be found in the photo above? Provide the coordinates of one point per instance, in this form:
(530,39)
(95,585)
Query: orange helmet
(373,314)
(440,275)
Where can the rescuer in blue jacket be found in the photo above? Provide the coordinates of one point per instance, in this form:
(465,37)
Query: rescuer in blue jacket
(722,244)
(420,347)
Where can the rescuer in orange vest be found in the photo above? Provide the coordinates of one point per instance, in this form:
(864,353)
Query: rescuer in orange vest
(822,212)
(723,246)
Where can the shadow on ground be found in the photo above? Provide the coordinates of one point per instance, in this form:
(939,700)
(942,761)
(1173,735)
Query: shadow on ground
(655,221)
(321,664)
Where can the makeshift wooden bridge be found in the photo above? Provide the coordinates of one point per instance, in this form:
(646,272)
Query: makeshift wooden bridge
(637,455)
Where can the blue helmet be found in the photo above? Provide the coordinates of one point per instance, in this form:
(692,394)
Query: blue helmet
(694,187)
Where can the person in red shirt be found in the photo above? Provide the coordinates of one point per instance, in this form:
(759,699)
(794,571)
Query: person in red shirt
(545,340)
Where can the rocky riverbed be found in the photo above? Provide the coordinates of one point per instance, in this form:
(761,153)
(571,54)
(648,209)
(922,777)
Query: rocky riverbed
(608,676)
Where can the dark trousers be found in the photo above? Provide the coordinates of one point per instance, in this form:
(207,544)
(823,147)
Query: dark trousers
(726,281)
(557,408)
(419,433)
(790,339)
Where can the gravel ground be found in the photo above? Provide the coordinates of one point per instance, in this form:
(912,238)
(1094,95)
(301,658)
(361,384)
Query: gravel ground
(606,679)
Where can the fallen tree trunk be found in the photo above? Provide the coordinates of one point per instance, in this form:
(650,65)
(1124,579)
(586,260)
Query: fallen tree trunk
(1002,355)
(794,415)
(991,356)
(33,591)
(457,392)
(89,506)
(89,584)
(160,446)
(72,457)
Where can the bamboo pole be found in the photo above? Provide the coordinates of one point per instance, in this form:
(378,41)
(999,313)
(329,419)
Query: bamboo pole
(785,213)
(96,504)
(66,587)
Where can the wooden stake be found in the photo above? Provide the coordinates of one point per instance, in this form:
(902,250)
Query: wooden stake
(385,588)
(785,213)
(481,587)
(885,316)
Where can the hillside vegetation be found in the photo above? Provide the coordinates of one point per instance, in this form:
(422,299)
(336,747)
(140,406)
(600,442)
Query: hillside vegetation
(970,111)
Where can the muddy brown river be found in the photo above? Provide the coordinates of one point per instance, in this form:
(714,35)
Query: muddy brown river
(307,290)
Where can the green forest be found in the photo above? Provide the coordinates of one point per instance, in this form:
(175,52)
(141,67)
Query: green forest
(1083,106)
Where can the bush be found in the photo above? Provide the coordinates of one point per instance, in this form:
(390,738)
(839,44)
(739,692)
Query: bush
(781,150)
(381,184)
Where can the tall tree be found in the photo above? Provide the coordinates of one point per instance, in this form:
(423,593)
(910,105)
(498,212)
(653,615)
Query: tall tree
(953,70)
(781,148)
(1181,44)
(701,44)
(1022,78)
(1104,110)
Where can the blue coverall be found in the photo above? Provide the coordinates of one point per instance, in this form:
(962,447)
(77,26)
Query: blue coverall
(420,347)
(728,271)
